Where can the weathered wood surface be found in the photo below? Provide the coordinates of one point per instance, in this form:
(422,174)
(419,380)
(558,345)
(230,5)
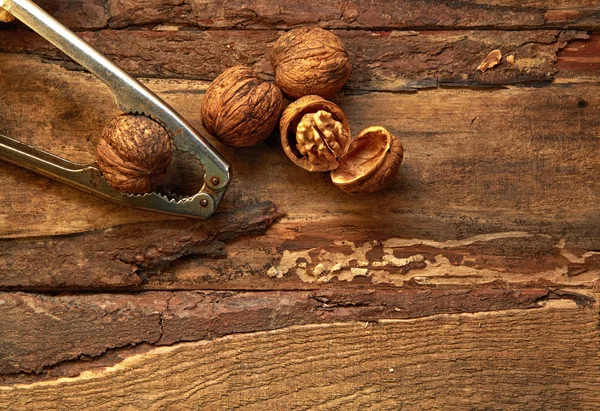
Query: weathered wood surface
(580,59)
(490,180)
(286,14)
(120,321)
(502,360)
(389,60)
(496,213)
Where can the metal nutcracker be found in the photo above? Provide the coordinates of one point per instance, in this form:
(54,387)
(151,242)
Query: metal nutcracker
(133,98)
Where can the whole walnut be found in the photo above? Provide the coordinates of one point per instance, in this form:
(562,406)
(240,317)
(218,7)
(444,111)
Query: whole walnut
(134,153)
(310,61)
(5,16)
(240,109)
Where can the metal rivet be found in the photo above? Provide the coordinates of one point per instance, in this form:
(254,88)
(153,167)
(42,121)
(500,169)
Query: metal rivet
(215,181)
(204,202)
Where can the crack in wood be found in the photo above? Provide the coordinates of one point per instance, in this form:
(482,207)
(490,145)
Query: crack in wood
(397,61)
(117,325)
(127,255)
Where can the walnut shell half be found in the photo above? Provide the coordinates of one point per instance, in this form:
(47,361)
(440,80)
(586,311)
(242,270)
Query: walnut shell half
(240,109)
(314,133)
(310,61)
(134,153)
(372,161)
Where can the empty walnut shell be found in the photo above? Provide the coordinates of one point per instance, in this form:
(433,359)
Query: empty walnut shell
(310,61)
(134,153)
(314,133)
(5,16)
(371,162)
(240,109)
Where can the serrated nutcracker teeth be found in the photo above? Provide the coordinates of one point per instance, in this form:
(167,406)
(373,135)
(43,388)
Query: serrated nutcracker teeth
(134,195)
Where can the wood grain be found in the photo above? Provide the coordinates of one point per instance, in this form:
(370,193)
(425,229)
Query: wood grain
(44,333)
(85,261)
(379,14)
(522,175)
(470,283)
(518,359)
(381,60)
(580,59)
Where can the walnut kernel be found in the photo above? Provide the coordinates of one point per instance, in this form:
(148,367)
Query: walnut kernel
(317,137)
(314,133)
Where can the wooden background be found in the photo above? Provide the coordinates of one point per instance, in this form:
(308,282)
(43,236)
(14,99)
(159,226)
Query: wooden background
(470,283)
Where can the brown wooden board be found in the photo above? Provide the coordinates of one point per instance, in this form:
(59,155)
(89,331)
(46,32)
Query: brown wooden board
(384,14)
(53,325)
(516,359)
(490,179)
(381,60)
(470,283)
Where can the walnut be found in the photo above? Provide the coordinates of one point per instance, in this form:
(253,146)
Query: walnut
(314,133)
(371,162)
(240,109)
(317,137)
(310,61)
(134,153)
(5,16)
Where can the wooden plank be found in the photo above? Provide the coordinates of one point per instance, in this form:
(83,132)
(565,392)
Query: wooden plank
(490,179)
(457,149)
(580,59)
(472,278)
(323,261)
(378,14)
(390,60)
(43,335)
(180,255)
(515,359)
(112,258)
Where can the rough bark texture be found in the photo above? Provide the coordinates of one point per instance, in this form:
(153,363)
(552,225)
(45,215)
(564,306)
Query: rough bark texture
(469,283)
(111,321)
(123,256)
(286,14)
(500,360)
(382,60)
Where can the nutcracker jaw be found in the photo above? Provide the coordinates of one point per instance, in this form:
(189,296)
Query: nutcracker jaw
(133,98)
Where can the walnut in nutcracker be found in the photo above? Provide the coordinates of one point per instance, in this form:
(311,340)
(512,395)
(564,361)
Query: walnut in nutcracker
(240,109)
(315,135)
(310,61)
(134,153)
